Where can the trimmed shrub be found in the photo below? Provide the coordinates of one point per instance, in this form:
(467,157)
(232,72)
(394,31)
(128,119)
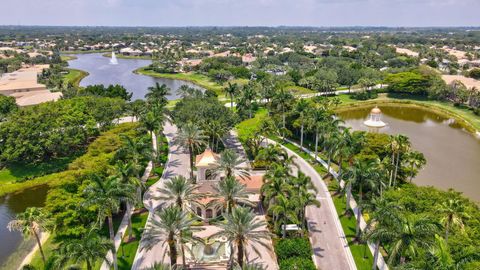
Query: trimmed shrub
(297,263)
(293,247)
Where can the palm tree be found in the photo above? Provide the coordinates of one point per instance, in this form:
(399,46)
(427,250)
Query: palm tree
(31,222)
(158,94)
(282,101)
(316,120)
(231,90)
(363,174)
(215,130)
(180,190)
(125,171)
(301,108)
(172,222)
(229,193)
(408,234)
(136,109)
(190,137)
(453,213)
(415,161)
(285,210)
(106,195)
(229,163)
(303,199)
(136,151)
(89,248)
(242,228)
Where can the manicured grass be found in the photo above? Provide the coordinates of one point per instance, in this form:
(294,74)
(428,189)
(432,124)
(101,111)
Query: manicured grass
(67,57)
(361,254)
(247,127)
(298,90)
(198,79)
(74,76)
(14,177)
(48,248)
(127,251)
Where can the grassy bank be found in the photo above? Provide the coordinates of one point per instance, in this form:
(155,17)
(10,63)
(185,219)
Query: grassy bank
(68,57)
(74,76)
(198,79)
(465,117)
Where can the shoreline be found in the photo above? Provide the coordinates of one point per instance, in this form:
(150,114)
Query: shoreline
(462,121)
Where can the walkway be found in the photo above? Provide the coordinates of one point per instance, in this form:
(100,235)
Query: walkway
(328,240)
(178,164)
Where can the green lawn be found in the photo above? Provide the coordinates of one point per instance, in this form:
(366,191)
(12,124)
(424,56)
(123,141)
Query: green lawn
(74,76)
(247,127)
(121,56)
(67,57)
(127,251)
(18,176)
(298,90)
(198,79)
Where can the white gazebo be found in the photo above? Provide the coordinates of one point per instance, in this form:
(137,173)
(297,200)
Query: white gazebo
(375,119)
(208,160)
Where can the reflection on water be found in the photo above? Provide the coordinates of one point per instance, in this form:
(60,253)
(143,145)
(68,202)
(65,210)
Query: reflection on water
(453,155)
(102,72)
(11,205)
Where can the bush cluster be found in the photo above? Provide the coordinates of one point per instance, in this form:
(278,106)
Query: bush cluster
(294,253)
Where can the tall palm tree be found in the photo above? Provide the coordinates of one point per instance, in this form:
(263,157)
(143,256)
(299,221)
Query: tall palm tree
(190,137)
(230,164)
(231,90)
(89,248)
(363,174)
(158,94)
(282,101)
(316,122)
(229,193)
(167,230)
(181,191)
(31,222)
(216,131)
(242,228)
(285,211)
(408,235)
(414,162)
(106,195)
(136,151)
(125,173)
(304,198)
(301,108)
(453,213)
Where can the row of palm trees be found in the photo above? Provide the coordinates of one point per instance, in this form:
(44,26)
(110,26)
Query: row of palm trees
(106,193)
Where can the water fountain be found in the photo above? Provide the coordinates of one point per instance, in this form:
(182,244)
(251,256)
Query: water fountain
(210,251)
(375,119)
(113,60)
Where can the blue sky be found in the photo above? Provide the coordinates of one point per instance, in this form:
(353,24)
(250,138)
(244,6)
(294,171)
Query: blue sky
(242,12)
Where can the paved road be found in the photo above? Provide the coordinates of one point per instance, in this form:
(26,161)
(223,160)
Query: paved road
(178,164)
(328,240)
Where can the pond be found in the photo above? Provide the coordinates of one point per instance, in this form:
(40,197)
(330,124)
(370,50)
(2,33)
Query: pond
(10,205)
(102,72)
(453,154)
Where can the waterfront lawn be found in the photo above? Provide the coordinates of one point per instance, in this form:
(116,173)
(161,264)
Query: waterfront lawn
(74,76)
(198,79)
(127,251)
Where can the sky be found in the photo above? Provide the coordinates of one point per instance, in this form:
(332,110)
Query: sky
(241,12)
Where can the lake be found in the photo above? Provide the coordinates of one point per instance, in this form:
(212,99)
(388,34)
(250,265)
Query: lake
(453,154)
(10,205)
(102,72)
